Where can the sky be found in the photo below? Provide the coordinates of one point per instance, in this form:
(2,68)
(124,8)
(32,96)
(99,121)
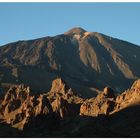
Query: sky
(25,21)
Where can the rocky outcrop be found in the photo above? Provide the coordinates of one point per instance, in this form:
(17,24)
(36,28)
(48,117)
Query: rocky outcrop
(18,106)
(63,100)
(59,86)
(61,107)
(130,97)
(103,104)
(106,103)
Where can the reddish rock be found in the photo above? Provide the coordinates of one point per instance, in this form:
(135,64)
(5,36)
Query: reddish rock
(18,106)
(129,97)
(103,104)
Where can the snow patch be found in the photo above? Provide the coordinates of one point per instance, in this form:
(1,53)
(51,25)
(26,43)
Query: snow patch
(77,36)
(86,34)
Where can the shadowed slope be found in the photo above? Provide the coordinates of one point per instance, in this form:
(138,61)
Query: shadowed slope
(87,61)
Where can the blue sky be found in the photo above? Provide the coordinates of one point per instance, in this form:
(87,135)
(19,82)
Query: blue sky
(24,21)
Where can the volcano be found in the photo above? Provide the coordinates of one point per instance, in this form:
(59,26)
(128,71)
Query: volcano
(87,61)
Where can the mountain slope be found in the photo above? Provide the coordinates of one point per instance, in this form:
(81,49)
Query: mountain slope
(87,61)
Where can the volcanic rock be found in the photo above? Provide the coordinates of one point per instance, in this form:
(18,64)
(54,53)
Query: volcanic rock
(18,106)
(103,104)
(130,97)
(61,112)
(64,101)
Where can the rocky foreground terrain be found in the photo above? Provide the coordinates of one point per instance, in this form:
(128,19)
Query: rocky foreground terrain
(63,113)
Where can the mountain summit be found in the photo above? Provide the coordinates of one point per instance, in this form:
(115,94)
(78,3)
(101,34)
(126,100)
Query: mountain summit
(87,61)
(76,30)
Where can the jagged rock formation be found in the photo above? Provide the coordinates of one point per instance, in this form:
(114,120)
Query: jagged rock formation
(103,104)
(63,100)
(19,106)
(59,86)
(62,113)
(130,97)
(78,56)
(106,103)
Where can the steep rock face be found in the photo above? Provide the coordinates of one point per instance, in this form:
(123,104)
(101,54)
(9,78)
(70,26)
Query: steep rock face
(106,103)
(103,104)
(78,56)
(59,86)
(63,100)
(18,106)
(130,97)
